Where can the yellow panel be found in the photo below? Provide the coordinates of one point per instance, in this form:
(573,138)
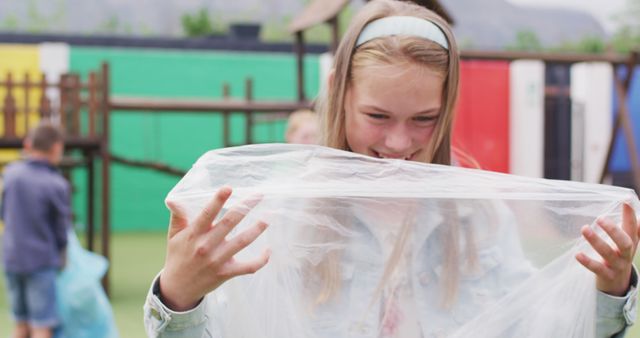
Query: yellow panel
(19,60)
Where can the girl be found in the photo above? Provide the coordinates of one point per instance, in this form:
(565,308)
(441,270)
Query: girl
(391,95)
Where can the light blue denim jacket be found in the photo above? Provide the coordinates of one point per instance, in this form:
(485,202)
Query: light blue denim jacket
(501,266)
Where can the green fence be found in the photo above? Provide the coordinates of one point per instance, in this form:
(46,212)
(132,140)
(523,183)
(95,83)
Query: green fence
(178,138)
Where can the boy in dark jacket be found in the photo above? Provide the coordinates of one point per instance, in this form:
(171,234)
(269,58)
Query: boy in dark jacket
(37,214)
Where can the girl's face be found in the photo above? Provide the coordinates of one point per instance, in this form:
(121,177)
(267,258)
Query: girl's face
(392,111)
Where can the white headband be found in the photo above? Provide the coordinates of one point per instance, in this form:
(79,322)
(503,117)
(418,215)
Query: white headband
(403,25)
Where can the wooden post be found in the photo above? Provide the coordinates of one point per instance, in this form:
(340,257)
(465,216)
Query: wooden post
(9,109)
(93,104)
(27,109)
(90,198)
(226,92)
(75,103)
(299,51)
(45,103)
(248,91)
(63,88)
(106,162)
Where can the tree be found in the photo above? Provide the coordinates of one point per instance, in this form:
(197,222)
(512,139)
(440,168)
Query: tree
(630,18)
(110,26)
(588,44)
(198,24)
(526,40)
(39,22)
(627,37)
(10,23)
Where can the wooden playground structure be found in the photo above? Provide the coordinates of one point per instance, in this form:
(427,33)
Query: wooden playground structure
(83,109)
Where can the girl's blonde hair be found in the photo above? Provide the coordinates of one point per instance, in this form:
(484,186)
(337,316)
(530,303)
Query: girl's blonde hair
(391,50)
(394,50)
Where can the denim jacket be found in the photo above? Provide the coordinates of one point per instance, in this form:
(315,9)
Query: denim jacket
(501,265)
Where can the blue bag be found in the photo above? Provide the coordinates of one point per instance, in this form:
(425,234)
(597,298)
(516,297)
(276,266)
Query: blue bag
(83,306)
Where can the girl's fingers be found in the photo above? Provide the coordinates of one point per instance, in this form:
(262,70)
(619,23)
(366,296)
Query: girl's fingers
(241,241)
(177,220)
(596,267)
(203,223)
(620,238)
(233,217)
(629,222)
(602,247)
(244,268)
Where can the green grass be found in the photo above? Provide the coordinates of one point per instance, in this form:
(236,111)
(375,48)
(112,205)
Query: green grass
(137,258)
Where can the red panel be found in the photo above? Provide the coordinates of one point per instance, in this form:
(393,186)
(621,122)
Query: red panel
(481,128)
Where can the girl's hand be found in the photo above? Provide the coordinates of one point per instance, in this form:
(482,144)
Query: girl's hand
(613,274)
(200,258)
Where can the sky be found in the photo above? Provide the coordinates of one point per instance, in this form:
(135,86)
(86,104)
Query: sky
(602,10)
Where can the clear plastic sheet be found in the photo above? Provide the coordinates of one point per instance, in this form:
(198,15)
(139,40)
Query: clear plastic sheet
(389,248)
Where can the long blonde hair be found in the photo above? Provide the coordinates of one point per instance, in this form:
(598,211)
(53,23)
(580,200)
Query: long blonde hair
(382,51)
(387,51)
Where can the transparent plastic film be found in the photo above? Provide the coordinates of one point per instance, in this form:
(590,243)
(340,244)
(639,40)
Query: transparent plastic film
(365,247)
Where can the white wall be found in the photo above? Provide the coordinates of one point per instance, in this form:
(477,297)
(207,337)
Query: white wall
(591,94)
(526,125)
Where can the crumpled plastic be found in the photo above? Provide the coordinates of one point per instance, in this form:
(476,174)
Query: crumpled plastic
(367,247)
(83,306)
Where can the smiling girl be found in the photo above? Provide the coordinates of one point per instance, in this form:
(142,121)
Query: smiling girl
(391,95)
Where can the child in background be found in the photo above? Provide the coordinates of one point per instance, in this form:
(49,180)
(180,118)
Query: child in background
(36,212)
(302,127)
